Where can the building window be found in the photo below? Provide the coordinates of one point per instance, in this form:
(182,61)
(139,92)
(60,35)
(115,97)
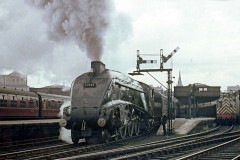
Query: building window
(202,89)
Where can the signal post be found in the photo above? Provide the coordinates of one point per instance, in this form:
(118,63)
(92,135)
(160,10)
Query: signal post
(163,59)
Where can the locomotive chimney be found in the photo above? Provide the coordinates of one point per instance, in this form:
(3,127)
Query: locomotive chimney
(98,67)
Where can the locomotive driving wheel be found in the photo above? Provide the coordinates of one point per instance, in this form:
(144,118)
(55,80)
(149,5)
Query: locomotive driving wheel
(136,127)
(122,132)
(106,135)
(116,134)
(130,128)
(147,125)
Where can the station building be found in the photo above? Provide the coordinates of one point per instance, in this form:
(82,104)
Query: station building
(53,89)
(14,80)
(196,100)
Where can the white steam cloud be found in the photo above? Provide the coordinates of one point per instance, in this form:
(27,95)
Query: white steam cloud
(84,22)
(52,42)
(65,134)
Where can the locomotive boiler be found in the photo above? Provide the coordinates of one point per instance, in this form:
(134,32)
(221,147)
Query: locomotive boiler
(108,105)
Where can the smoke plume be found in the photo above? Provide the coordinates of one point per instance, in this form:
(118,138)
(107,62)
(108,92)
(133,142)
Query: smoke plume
(82,21)
(48,40)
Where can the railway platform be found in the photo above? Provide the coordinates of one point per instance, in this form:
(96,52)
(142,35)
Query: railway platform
(16,130)
(183,126)
(22,122)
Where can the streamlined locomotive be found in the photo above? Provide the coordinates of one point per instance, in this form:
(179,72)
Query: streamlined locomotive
(107,104)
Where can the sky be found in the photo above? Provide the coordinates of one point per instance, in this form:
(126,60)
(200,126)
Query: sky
(53,42)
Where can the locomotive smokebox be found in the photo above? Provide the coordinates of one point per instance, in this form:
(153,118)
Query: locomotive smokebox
(97,67)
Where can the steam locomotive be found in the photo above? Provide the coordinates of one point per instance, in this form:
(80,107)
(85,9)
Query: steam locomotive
(19,104)
(107,105)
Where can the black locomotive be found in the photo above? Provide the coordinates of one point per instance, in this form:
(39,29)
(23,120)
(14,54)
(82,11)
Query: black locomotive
(106,105)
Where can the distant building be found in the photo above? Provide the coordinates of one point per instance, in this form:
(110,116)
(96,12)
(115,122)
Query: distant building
(179,80)
(233,88)
(14,80)
(159,89)
(54,89)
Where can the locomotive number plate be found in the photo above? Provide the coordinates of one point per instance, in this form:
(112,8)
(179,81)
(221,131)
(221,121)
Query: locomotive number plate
(89,85)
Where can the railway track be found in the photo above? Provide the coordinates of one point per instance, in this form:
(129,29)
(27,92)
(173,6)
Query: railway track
(155,149)
(226,150)
(25,154)
(30,143)
(112,149)
(54,151)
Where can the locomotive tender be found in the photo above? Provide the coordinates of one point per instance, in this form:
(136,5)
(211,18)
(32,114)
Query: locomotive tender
(108,105)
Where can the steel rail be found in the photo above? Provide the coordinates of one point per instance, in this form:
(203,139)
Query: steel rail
(139,148)
(58,151)
(19,145)
(203,153)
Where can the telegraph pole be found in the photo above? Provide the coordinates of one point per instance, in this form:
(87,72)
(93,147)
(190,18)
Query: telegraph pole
(163,59)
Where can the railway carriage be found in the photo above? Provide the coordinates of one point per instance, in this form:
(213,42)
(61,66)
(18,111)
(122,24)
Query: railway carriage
(19,104)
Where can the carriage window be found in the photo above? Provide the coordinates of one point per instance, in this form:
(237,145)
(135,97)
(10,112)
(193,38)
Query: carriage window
(13,103)
(47,104)
(3,103)
(22,104)
(31,103)
(53,104)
